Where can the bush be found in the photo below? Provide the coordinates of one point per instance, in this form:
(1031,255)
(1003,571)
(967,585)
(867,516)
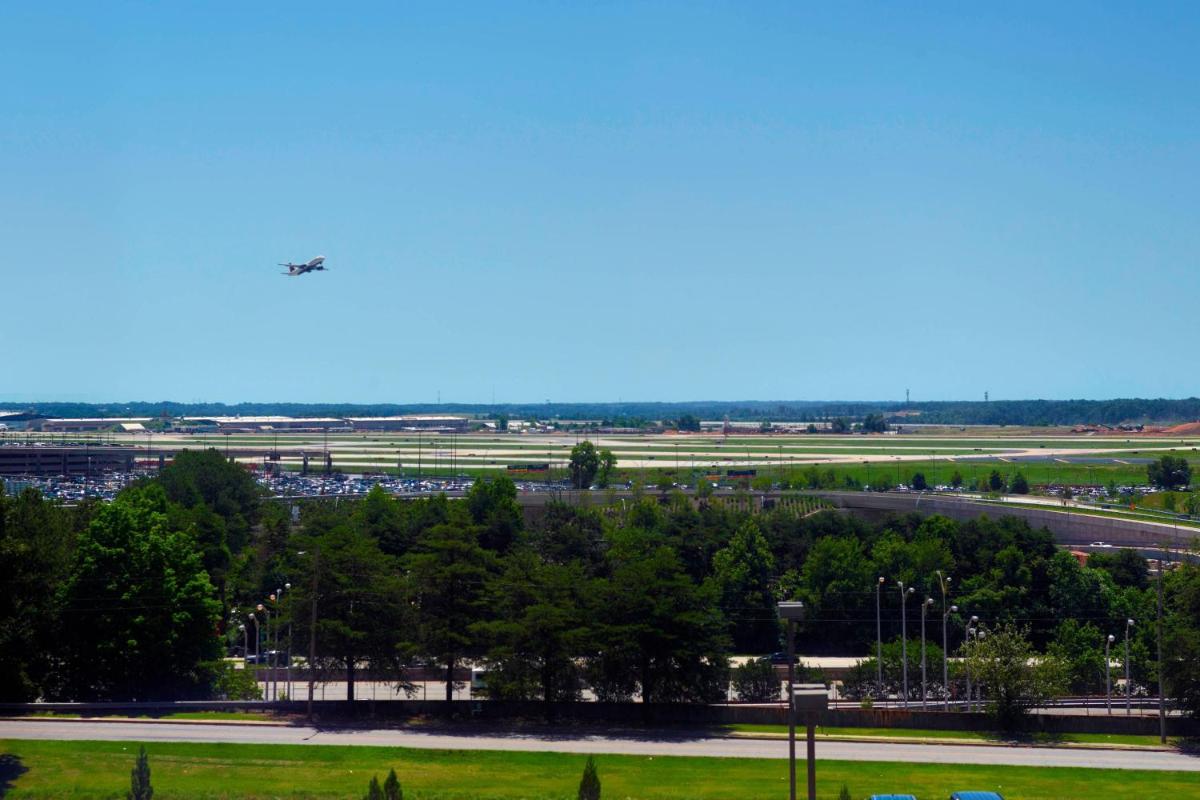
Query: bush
(756,682)
(139,778)
(589,784)
(391,787)
(230,683)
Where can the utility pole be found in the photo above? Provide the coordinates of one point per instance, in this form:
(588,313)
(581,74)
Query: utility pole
(1162,708)
(312,631)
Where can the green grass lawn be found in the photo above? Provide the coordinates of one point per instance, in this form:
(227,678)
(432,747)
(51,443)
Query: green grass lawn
(978,736)
(184,770)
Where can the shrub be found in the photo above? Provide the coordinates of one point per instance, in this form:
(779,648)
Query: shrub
(756,682)
(139,778)
(589,784)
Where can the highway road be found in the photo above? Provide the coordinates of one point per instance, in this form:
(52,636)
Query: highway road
(650,743)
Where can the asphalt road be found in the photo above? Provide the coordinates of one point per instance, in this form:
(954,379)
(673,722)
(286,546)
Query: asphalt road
(666,743)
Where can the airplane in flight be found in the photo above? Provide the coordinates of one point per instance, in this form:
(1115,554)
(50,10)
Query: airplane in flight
(317,263)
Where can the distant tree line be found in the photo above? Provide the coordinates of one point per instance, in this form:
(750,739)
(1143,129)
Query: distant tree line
(638,414)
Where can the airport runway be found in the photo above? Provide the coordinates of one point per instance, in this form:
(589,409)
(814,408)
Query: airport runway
(649,743)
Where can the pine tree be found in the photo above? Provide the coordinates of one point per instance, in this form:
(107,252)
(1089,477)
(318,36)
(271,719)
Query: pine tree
(589,785)
(391,787)
(845,793)
(373,790)
(139,778)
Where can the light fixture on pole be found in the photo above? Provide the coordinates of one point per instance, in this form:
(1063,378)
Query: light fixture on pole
(266,611)
(924,607)
(946,658)
(904,635)
(967,655)
(792,612)
(1108,673)
(1128,683)
(878,639)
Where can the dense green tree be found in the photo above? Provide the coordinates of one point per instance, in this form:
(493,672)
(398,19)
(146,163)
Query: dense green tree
(381,517)
(658,631)
(744,572)
(1170,472)
(688,422)
(840,425)
(374,790)
(608,465)
(362,610)
(1080,646)
(448,570)
(1125,566)
(36,540)
(226,487)
(1012,676)
(139,614)
(956,480)
(541,628)
(1181,637)
(584,464)
(996,481)
(494,508)
(1019,484)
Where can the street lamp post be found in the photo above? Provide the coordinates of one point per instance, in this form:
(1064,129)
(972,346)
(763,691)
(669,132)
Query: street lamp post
(1128,684)
(979,635)
(288,665)
(1108,674)
(267,612)
(924,607)
(878,639)
(967,656)
(943,582)
(904,635)
(245,642)
(792,612)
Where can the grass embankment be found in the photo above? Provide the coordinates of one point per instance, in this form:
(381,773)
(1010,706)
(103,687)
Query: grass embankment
(44,769)
(974,736)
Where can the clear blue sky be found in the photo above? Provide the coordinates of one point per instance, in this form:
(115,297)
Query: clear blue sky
(649,201)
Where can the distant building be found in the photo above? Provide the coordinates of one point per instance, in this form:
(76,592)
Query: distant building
(84,424)
(45,461)
(259,424)
(412,422)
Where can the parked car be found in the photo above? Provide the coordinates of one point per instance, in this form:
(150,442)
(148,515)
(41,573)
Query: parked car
(892,797)
(975,796)
(781,658)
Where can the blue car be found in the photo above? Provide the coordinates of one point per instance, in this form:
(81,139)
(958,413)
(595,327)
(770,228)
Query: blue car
(892,797)
(975,796)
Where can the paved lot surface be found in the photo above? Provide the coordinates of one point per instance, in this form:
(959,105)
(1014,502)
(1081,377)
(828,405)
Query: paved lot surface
(667,743)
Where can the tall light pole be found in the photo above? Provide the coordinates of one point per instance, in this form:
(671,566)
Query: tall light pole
(943,582)
(245,642)
(267,612)
(904,634)
(946,612)
(924,607)
(1128,684)
(979,635)
(792,612)
(967,655)
(1108,674)
(878,639)
(288,666)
